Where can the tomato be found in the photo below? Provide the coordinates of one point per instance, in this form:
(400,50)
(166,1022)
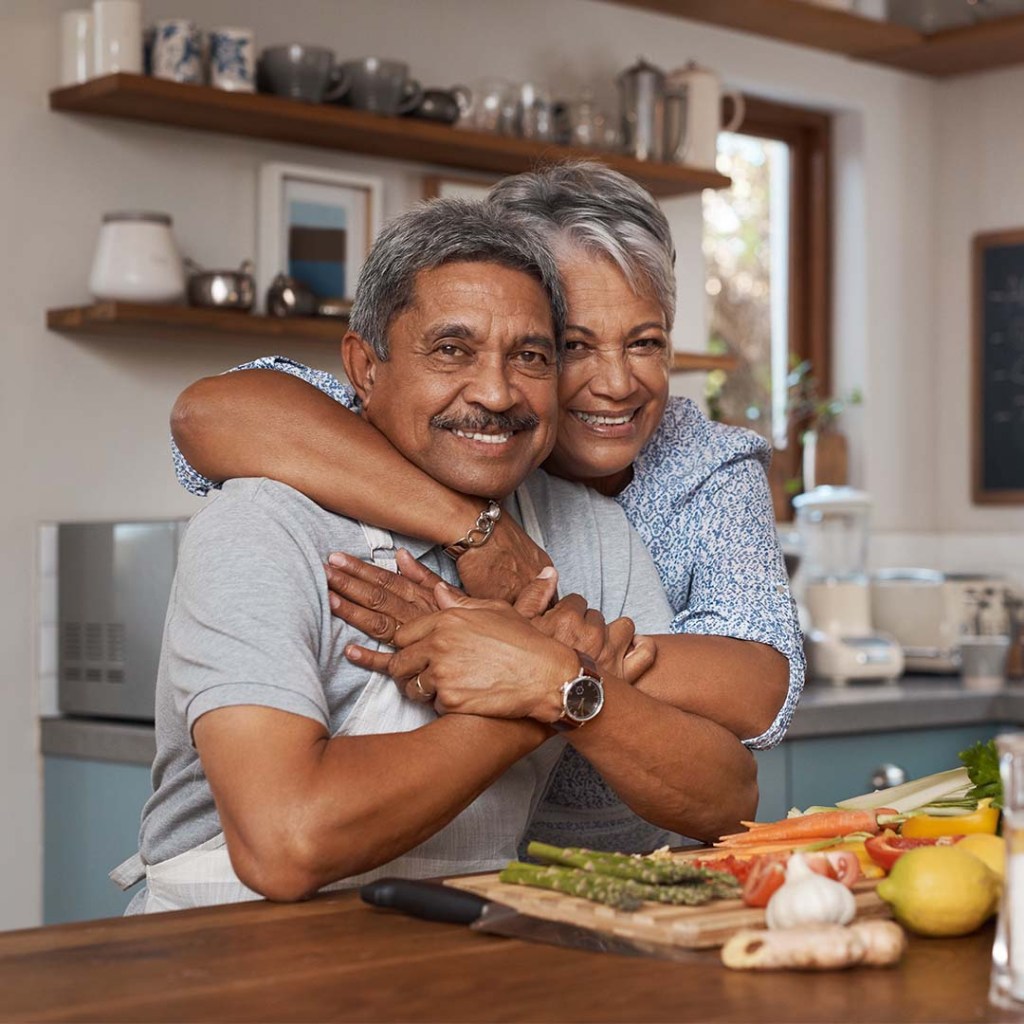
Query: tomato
(925,826)
(766,876)
(887,848)
(737,867)
(845,866)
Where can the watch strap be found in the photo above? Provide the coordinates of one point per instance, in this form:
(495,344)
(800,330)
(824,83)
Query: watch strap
(588,669)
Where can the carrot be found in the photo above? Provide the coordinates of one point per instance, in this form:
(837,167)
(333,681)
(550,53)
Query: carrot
(806,827)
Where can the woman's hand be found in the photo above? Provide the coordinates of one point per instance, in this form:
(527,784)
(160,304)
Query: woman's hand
(478,658)
(377,601)
(502,567)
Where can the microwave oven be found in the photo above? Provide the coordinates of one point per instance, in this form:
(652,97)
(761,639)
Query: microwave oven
(113,584)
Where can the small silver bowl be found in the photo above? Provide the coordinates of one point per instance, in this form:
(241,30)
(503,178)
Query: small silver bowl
(223,289)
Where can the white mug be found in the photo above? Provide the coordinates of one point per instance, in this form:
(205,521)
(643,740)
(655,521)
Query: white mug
(75,47)
(232,59)
(117,35)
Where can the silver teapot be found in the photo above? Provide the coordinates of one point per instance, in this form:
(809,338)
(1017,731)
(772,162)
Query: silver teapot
(642,98)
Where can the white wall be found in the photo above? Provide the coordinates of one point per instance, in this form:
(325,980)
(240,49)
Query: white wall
(979,187)
(84,423)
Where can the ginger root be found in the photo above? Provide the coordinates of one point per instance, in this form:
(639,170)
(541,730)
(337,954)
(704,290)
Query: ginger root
(824,948)
(884,941)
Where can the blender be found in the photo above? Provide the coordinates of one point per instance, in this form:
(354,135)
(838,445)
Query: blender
(841,643)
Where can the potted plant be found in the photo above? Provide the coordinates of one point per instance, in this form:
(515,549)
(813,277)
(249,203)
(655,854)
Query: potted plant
(825,450)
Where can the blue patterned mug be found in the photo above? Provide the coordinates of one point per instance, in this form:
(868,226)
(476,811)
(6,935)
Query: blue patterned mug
(178,51)
(232,59)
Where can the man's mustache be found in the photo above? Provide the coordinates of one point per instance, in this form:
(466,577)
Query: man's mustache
(499,422)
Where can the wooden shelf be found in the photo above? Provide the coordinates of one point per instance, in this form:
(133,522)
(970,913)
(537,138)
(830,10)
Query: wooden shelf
(139,98)
(701,362)
(955,51)
(792,21)
(133,319)
(122,319)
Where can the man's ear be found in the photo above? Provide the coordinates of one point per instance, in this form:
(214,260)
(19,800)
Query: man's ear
(360,362)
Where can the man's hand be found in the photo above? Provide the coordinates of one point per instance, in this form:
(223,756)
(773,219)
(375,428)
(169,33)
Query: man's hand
(503,567)
(476,657)
(615,648)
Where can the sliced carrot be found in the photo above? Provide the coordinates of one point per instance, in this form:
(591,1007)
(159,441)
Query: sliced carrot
(806,827)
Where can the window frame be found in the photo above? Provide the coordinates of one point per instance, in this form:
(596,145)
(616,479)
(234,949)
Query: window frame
(808,134)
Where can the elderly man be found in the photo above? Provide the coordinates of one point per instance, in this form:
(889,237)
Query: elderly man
(285,763)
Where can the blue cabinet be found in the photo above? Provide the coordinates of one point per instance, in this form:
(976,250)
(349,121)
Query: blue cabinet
(823,769)
(91,823)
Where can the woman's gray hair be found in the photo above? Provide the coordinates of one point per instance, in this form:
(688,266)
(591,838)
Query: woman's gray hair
(604,213)
(442,231)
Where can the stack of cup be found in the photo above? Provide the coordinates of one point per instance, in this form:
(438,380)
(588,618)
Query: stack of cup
(76,47)
(117,37)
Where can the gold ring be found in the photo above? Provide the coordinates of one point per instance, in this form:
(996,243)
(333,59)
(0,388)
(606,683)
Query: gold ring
(423,693)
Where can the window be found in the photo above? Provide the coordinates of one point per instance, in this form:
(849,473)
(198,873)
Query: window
(767,252)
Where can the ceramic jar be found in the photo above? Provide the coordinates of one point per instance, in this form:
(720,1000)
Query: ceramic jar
(137,259)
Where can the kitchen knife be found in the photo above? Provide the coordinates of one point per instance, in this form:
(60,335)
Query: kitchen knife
(433,901)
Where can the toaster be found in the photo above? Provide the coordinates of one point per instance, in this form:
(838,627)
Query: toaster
(928,611)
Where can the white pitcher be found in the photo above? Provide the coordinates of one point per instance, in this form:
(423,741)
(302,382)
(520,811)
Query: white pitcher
(703,90)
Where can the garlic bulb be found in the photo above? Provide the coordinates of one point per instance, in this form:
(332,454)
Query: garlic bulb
(809,898)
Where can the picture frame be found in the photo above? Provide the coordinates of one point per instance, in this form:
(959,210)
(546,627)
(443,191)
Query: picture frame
(442,185)
(317,225)
(997,369)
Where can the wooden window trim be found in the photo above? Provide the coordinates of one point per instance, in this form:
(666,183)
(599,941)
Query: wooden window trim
(808,134)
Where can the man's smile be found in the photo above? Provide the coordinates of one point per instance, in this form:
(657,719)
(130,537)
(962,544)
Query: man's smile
(485,438)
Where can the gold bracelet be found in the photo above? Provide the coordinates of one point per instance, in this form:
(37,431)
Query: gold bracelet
(478,534)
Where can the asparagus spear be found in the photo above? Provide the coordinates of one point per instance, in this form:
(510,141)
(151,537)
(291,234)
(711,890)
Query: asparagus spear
(651,870)
(623,893)
(599,888)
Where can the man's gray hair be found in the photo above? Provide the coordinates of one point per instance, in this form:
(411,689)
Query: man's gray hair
(604,213)
(442,231)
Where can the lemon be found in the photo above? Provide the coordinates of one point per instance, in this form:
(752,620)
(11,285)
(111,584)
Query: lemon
(991,850)
(940,891)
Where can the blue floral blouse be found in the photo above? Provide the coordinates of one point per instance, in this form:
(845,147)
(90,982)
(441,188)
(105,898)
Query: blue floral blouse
(699,499)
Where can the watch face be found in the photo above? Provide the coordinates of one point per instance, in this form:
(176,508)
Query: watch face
(583,699)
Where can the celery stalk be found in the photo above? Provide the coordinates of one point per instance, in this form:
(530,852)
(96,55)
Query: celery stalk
(948,785)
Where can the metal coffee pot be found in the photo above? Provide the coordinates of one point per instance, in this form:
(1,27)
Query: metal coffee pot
(642,98)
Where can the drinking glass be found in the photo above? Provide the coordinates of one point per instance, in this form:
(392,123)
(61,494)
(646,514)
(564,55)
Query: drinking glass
(1007,987)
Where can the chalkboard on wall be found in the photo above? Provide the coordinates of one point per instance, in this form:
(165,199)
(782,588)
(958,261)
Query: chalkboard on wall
(997,388)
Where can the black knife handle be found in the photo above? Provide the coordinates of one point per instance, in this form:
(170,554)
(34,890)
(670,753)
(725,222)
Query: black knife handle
(429,900)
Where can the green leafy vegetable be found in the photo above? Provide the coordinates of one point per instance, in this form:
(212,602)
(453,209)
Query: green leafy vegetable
(982,764)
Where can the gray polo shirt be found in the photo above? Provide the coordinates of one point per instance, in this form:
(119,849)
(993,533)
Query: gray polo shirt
(249,620)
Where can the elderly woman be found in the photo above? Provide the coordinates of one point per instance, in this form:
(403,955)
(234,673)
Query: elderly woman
(694,490)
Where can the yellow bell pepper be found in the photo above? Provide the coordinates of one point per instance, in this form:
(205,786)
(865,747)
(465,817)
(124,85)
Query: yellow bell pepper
(926,826)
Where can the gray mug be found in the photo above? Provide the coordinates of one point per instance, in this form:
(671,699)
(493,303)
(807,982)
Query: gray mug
(382,86)
(300,72)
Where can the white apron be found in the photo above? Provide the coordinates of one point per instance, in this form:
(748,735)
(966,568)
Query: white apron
(483,837)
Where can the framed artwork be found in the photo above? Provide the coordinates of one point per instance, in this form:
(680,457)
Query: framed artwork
(436,185)
(997,385)
(315,225)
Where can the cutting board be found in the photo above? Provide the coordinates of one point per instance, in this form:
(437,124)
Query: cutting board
(656,923)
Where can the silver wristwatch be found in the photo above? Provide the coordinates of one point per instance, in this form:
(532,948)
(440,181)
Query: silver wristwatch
(582,697)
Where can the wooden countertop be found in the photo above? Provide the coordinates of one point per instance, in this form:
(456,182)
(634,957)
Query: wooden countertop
(335,959)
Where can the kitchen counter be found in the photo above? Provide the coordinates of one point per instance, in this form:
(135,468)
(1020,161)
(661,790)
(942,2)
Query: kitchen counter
(914,702)
(335,959)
